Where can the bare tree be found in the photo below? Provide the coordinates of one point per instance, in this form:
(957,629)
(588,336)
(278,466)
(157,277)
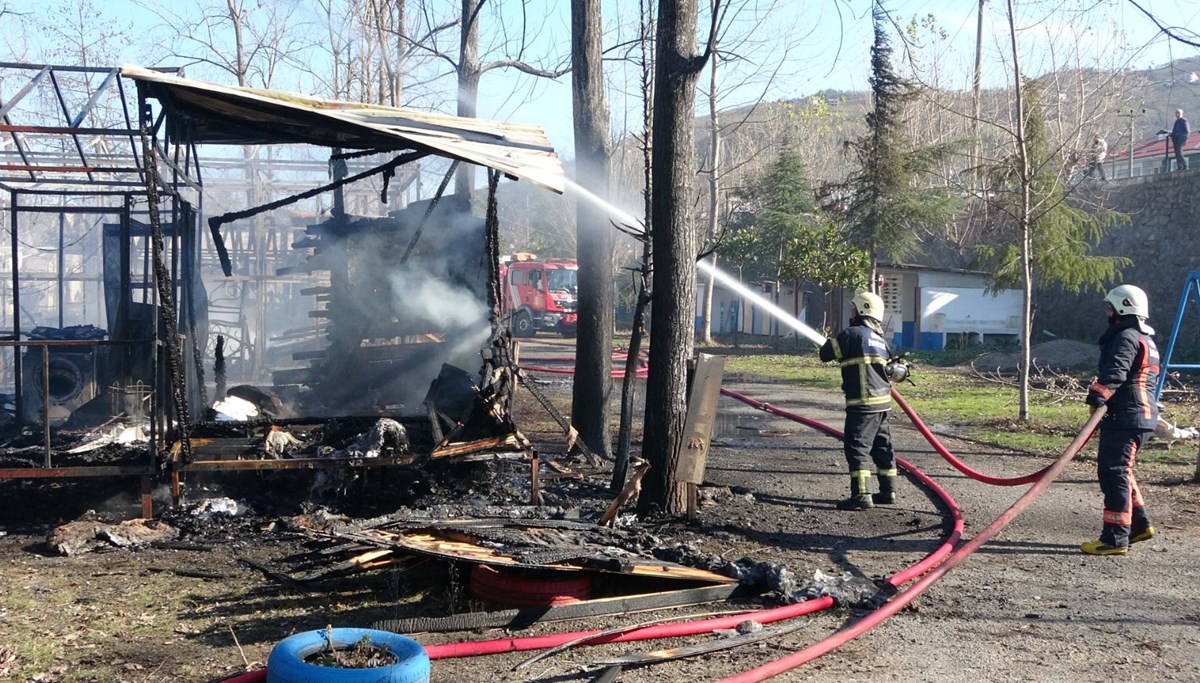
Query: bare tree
(645,47)
(677,68)
(470,67)
(754,51)
(1024,180)
(714,185)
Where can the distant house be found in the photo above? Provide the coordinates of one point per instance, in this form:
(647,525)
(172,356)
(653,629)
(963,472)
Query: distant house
(1149,157)
(927,308)
(734,313)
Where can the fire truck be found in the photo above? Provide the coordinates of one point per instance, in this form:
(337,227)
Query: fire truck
(539,294)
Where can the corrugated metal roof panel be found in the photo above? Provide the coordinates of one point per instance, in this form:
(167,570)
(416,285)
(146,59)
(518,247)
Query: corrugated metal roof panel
(234,115)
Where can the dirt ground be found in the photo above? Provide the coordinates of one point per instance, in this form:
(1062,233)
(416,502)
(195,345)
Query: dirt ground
(1027,607)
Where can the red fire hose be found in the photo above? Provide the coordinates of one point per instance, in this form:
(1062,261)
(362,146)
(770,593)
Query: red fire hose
(684,628)
(956,558)
(917,422)
(959,464)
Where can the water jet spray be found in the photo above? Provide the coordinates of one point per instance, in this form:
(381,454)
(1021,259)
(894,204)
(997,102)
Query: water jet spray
(729,281)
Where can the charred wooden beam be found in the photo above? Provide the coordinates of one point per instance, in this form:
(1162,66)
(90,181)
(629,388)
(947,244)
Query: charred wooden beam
(296,463)
(527,616)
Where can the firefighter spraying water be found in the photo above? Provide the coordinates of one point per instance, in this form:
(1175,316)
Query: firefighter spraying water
(539,294)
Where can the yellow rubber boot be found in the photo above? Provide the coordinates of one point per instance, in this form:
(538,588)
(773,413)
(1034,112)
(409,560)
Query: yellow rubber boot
(1102,548)
(1143,535)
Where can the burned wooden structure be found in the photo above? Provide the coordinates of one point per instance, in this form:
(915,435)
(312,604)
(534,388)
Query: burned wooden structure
(78,145)
(380,352)
(526,570)
(127,156)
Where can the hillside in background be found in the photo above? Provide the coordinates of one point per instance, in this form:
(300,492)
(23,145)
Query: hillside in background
(820,124)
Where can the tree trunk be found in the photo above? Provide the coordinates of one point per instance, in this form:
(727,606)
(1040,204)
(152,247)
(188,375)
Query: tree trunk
(672,325)
(638,333)
(714,196)
(1024,226)
(469,70)
(628,385)
(594,237)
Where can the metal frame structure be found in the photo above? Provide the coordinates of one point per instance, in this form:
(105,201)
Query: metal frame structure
(1191,285)
(82,160)
(106,161)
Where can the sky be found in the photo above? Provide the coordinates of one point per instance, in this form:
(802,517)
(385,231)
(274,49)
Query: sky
(791,51)
(812,47)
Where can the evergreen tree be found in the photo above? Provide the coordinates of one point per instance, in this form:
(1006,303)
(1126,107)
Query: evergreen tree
(1061,235)
(788,238)
(885,199)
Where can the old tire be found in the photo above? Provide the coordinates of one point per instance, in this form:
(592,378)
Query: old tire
(286,662)
(510,589)
(522,324)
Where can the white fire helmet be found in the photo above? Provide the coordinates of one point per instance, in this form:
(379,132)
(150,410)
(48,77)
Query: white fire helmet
(868,304)
(1129,300)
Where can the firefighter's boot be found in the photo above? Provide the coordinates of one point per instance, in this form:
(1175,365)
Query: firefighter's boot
(1102,548)
(859,498)
(1141,529)
(1142,535)
(887,488)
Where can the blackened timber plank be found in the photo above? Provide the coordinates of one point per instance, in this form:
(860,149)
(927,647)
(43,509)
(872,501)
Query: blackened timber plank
(527,616)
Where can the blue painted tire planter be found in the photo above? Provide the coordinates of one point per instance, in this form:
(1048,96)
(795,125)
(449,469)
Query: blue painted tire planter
(286,663)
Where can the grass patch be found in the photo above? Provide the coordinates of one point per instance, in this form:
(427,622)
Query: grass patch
(963,402)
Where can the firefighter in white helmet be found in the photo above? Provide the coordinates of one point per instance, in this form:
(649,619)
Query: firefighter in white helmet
(1125,382)
(864,357)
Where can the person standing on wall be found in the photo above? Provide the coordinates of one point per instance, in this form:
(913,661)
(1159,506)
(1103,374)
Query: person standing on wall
(1096,156)
(1128,373)
(864,358)
(1179,138)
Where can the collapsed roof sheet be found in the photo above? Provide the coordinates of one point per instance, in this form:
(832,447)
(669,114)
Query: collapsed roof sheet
(235,115)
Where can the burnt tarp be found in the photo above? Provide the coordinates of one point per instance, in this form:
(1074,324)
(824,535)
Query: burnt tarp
(220,114)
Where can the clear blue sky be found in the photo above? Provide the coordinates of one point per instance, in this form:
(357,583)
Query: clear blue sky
(815,47)
(808,45)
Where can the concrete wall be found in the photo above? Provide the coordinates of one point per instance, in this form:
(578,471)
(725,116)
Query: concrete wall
(1163,241)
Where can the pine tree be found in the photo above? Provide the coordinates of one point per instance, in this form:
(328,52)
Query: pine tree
(1061,235)
(886,198)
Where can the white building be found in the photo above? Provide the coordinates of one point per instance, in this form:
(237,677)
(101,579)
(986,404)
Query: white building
(927,308)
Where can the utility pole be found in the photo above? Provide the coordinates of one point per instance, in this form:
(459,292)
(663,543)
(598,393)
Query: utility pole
(1131,114)
(975,84)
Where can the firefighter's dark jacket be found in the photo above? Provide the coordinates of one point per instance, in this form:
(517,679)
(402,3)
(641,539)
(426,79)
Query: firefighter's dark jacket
(1127,377)
(863,356)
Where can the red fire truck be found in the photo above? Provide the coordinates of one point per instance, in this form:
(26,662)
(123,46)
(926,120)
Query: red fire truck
(539,294)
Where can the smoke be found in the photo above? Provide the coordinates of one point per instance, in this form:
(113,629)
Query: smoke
(422,299)
(414,316)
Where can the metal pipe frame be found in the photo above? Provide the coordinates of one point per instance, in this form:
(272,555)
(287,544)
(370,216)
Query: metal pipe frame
(28,179)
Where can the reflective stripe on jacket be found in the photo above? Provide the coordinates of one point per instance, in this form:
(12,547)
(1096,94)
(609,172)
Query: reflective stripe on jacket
(1127,377)
(863,355)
